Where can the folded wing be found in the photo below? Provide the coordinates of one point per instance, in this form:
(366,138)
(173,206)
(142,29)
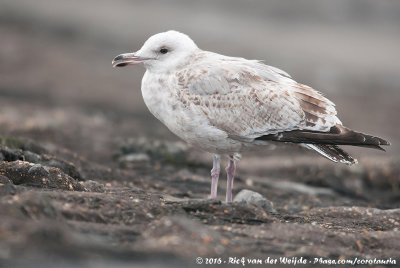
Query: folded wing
(248,99)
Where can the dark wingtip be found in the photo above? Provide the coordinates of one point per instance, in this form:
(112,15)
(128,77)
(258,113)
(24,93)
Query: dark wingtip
(338,135)
(380,148)
(372,146)
(384,142)
(380,141)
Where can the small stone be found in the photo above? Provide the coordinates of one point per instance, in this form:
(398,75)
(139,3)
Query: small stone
(224,241)
(32,157)
(6,186)
(66,167)
(155,150)
(8,154)
(249,182)
(38,169)
(133,159)
(93,186)
(254,198)
(359,246)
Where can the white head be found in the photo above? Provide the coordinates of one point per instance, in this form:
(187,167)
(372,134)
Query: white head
(161,52)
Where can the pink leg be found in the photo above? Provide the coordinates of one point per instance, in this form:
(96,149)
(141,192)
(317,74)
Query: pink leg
(215,175)
(230,171)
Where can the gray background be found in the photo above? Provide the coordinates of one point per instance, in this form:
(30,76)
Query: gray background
(55,56)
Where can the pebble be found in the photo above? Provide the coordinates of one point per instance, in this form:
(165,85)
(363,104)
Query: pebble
(254,198)
(38,169)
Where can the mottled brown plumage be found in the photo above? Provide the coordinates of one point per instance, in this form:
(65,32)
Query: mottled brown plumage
(225,105)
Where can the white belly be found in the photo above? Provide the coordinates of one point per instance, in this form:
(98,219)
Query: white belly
(185,121)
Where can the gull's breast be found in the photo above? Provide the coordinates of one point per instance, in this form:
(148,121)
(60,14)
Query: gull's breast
(183,119)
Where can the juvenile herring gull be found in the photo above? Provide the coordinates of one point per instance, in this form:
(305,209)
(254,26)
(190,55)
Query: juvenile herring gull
(225,105)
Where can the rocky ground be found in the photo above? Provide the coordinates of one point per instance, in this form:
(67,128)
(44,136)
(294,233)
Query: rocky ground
(149,207)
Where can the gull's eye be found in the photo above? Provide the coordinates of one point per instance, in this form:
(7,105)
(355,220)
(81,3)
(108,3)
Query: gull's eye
(163,51)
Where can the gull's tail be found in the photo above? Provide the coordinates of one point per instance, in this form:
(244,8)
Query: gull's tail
(333,153)
(326,143)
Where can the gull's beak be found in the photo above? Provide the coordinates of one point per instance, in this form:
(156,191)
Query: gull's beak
(126,59)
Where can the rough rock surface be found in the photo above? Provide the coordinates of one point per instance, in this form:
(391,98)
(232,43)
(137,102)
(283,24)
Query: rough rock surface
(37,175)
(17,149)
(157,214)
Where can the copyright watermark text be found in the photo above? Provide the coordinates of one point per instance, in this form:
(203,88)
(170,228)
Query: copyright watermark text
(243,261)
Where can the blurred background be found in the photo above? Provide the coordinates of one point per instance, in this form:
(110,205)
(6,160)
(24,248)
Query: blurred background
(57,85)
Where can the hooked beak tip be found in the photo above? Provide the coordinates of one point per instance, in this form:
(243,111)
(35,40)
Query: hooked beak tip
(126,59)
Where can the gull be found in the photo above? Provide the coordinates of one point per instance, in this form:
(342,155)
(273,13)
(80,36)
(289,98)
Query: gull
(227,105)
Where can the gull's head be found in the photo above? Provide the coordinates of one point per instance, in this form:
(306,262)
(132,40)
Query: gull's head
(161,52)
